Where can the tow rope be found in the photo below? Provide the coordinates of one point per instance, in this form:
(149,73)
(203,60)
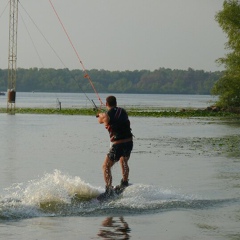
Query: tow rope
(86,75)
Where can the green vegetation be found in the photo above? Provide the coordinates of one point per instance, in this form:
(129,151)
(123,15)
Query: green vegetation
(209,146)
(161,81)
(136,112)
(228,86)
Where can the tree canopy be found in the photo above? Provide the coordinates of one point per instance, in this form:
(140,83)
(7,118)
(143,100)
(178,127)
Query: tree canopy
(228,86)
(162,80)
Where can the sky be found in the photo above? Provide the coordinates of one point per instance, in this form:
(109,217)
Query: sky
(116,35)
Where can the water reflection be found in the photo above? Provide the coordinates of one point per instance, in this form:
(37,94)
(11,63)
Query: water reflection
(114,228)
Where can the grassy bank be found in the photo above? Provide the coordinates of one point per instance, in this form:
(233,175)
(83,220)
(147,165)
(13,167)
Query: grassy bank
(132,112)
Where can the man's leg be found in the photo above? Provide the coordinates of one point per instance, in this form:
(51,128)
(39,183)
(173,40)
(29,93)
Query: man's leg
(107,164)
(125,168)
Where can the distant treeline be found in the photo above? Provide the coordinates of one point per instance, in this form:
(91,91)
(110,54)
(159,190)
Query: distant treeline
(163,80)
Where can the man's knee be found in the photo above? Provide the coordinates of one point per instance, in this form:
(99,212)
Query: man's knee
(124,159)
(107,164)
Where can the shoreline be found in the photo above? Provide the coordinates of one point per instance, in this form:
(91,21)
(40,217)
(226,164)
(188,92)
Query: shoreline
(134,112)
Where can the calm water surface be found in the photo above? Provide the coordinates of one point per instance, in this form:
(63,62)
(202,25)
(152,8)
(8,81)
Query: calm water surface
(76,100)
(185,175)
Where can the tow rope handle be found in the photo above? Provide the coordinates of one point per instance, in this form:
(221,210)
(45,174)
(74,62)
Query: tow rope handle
(97,109)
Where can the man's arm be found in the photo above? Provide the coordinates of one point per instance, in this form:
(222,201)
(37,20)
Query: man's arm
(103,118)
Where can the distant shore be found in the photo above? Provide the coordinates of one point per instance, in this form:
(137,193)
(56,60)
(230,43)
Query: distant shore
(137,112)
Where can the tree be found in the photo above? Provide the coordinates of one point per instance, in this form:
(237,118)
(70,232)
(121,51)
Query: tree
(122,85)
(228,86)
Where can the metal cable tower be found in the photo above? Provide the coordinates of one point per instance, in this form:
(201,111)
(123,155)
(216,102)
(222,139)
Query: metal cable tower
(12,56)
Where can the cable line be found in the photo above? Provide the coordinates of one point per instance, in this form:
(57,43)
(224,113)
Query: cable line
(34,46)
(4,9)
(43,36)
(84,69)
(71,75)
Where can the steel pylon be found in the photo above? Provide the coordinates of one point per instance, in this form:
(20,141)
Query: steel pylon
(12,56)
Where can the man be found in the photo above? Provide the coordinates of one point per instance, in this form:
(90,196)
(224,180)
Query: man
(118,125)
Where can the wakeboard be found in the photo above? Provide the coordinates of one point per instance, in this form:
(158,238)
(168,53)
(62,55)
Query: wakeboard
(115,193)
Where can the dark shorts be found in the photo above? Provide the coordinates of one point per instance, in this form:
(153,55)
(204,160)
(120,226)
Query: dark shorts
(120,150)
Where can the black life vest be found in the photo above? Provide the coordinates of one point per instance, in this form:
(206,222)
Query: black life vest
(119,124)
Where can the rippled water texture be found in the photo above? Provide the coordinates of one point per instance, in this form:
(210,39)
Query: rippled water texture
(185,175)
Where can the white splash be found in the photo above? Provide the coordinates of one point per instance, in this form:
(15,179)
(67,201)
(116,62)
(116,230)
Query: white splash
(57,187)
(31,199)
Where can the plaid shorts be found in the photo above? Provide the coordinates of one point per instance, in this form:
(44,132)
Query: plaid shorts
(120,150)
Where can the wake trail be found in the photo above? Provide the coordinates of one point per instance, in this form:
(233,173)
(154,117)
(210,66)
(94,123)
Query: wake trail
(58,194)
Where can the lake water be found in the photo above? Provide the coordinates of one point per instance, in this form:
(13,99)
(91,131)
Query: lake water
(185,175)
(77,100)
